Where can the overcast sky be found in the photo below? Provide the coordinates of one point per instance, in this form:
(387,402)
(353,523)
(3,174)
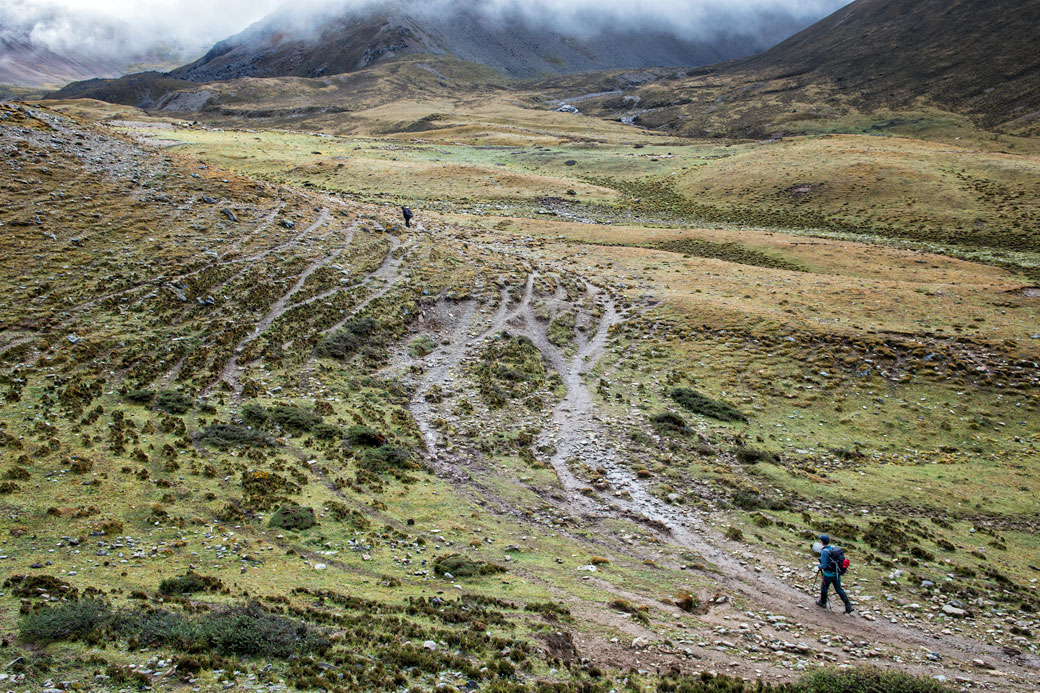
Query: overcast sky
(193,25)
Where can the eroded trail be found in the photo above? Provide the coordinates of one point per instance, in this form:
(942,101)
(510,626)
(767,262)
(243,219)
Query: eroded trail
(580,438)
(229,374)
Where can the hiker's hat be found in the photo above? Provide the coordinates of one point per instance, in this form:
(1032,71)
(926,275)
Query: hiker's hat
(825,539)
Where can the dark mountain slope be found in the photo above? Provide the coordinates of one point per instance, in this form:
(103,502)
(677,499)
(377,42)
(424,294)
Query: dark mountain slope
(973,58)
(278,47)
(971,55)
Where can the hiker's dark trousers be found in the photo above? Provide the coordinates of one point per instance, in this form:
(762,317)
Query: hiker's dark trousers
(836,581)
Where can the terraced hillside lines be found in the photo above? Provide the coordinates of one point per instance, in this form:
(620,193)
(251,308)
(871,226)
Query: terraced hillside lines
(389,272)
(229,374)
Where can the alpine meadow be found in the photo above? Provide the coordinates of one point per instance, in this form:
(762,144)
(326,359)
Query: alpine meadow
(440,345)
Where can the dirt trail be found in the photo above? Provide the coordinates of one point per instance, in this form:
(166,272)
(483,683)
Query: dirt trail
(229,373)
(575,432)
(389,271)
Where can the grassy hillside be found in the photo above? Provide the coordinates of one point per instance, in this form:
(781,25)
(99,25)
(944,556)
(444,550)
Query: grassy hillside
(257,432)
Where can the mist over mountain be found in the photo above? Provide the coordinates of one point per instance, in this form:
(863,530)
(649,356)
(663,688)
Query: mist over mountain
(520,40)
(44,42)
(49,41)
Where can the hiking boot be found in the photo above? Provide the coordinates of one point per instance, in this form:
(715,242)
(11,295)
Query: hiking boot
(849,609)
(822,605)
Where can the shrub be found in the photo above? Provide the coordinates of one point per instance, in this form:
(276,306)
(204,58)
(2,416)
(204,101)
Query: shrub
(388,458)
(510,367)
(32,586)
(669,422)
(357,333)
(17,474)
(293,417)
(146,628)
(421,346)
(705,406)
(252,631)
(232,435)
(324,431)
(733,534)
(248,631)
(365,437)
(295,517)
(341,513)
(747,500)
(864,681)
(173,402)
(190,583)
(460,566)
(253,414)
(140,396)
(754,456)
(69,621)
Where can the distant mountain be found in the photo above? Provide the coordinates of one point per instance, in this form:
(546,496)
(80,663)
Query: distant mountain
(46,45)
(971,57)
(515,45)
(282,45)
(25,64)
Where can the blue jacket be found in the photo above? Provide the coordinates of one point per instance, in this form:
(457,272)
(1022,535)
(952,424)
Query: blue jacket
(825,562)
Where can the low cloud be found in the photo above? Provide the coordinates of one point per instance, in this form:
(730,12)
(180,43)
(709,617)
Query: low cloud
(188,27)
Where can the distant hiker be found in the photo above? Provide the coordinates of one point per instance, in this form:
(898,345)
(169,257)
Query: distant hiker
(832,564)
(407,216)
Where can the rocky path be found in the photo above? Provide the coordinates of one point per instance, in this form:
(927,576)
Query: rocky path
(577,434)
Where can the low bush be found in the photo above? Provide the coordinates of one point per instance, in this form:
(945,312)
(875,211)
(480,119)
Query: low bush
(705,406)
(510,368)
(349,340)
(365,437)
(254,414)
(140,396)
(669,422)
(460,567)
(387,459)
(747,500)
(324,431)
(293,417)
(864,681)
(421,346)
(295,517)
(232,435)
(246,631)
(754,456)
(173,402)
(189,583)
(69,621)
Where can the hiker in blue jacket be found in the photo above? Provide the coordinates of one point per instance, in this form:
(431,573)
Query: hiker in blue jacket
(831,575)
